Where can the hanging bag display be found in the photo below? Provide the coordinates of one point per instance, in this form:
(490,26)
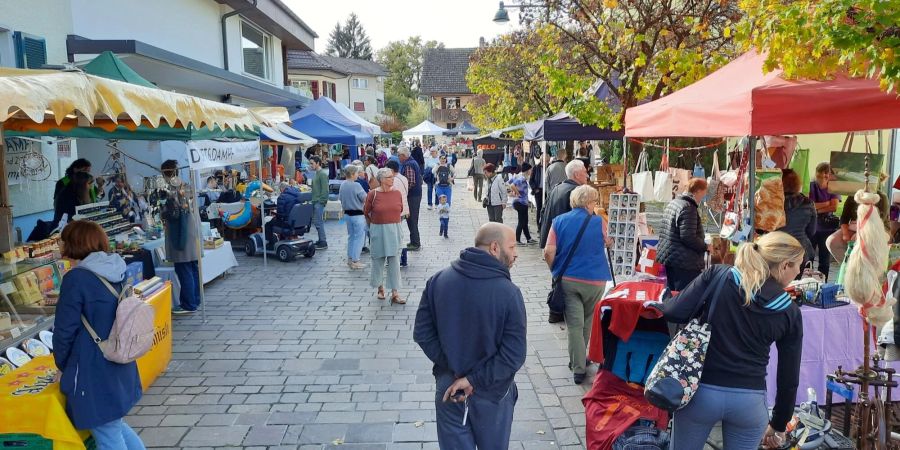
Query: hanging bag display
(556,299)
(699,171)
(680,178)
(662,182)
(715,195)
(675,378)
(642,179)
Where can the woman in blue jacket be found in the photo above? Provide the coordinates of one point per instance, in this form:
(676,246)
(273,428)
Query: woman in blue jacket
(99,393)
(584,280)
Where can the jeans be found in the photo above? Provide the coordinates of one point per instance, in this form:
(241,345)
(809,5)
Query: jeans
(319,222)
(116,435)
(393,272)
(581,298)
(478,180)
(677,278)
(522,210)
(188,274)
(488,425)
(430,187)
(742,412)
(412,222)
(445,225)
(356,232)
(495,213)
(443,190)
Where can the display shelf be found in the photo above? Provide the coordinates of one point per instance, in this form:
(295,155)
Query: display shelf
(27,320)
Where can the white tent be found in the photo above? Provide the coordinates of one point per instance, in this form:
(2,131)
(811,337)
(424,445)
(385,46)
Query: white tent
(426,128)
(284,134)
(327,109)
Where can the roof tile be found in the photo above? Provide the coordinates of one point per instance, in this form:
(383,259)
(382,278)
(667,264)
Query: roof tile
(444,71)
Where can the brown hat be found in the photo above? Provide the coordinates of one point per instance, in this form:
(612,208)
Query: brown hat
(489,167)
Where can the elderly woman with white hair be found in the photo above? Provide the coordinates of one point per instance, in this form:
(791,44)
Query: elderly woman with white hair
(382,211)
(352,197)
(584,278)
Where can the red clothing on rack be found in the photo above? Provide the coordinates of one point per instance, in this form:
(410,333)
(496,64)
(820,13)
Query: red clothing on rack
(628,302)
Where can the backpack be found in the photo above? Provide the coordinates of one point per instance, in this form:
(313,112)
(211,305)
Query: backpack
(132,332)
(443,176)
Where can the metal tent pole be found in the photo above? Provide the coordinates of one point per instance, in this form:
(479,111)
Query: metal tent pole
(199,246)
(751,194)
(262,213)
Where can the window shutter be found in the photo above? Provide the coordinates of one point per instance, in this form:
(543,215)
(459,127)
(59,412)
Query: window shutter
(359,106)
(443,103)
(333,91)
(31,51)
(315,90)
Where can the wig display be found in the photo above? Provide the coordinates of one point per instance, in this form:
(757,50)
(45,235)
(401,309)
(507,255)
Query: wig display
(868,263)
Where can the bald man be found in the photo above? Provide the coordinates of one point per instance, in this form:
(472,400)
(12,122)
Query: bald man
(471,324)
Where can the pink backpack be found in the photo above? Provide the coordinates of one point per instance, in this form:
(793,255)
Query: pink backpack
(132,332)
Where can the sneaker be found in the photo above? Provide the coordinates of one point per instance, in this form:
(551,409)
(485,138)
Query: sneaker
(532,241)
(365,250)
(179,311)
(521,244)
(413,247)
(321,246)
(356,265)
(578,378)
(430,207)
(446,237)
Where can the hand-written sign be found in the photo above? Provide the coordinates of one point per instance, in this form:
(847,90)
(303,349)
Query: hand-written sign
(25,161)
(209,154)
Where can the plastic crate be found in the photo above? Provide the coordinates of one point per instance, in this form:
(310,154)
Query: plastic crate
(826,297)
(23,441)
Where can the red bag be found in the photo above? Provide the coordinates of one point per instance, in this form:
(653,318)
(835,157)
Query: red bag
(611,406)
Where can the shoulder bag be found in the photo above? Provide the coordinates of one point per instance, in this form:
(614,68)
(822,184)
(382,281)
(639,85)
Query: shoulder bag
(675,378)
(556,299)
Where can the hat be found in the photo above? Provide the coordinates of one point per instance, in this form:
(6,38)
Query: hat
(489,167)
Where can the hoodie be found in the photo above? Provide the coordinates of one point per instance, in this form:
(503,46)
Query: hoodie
(471,323)
(800,221)
(742,335)
(97,391)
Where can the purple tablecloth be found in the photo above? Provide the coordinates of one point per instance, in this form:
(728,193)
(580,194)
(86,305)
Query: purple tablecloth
(831,338)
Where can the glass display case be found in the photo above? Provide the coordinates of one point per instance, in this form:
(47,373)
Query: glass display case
(28,294)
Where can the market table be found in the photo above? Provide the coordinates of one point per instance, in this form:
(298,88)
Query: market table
(831,338)
(215,261)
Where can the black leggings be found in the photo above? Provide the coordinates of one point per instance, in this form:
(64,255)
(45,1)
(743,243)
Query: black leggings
(522,210)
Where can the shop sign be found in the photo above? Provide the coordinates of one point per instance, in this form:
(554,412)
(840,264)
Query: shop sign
(25,161)
(209,154)
(487,146)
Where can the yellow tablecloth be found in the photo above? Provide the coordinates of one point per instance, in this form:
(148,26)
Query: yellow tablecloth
(154,363)
(30,402)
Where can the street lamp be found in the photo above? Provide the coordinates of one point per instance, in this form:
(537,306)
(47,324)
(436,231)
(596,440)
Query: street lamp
(502,15)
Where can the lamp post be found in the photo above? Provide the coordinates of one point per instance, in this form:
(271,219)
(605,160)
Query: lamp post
(502,15)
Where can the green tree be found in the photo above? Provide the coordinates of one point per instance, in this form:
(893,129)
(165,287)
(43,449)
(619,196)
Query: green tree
(350,40)
(817,38)
(404,60)
(420,110)
(642,49)
(506,76)
(395,104)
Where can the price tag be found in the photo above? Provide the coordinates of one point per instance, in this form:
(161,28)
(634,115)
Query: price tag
(15,332)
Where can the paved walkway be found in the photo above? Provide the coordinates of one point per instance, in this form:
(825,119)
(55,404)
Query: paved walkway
(302,355)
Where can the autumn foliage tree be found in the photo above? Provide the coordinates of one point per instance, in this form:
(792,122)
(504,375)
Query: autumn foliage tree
(816,38)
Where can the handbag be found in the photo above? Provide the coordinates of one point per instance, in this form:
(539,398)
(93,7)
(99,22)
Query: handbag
(642,179)
(676,376)
(556,299)
(662,182)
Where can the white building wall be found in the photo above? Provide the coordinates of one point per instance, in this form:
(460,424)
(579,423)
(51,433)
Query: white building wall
(49,19)
(186,27)
(369,96)
(236,56)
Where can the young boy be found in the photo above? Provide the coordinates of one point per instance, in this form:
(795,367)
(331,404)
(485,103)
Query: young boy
(443,215)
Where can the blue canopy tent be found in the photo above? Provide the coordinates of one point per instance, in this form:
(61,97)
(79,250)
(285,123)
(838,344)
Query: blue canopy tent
(337,113)
(326,131)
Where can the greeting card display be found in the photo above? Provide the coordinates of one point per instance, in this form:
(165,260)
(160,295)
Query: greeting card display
(624,210)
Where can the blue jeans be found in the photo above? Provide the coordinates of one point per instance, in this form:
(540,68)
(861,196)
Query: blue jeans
(743,414)
(319,222)
(356,231)
(445,225)
(188,274)
(430,192)
(444,190)
(488,425)
(116,435)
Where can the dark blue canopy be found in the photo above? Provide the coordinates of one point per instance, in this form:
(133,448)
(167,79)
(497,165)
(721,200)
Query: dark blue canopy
(328,132)
(563,127)
(463,129)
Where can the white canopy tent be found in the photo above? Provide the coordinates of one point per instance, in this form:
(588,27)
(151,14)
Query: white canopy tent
(426,128)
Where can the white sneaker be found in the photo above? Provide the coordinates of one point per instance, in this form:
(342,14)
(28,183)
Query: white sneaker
(430,207)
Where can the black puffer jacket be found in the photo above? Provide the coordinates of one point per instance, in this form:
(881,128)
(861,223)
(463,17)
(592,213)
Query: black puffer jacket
(557,204)
(681,242)
(800,215)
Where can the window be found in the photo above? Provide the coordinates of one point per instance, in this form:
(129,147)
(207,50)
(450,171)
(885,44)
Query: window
(452,103)
(380,105)
(360,83)
(450,125)
(255,46)
(301,84)
(359,106)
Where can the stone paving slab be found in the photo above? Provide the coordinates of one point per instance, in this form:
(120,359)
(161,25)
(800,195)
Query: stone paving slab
(301,355)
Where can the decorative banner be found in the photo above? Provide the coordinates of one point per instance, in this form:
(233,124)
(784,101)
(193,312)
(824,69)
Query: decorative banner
(209,154)
(26,161)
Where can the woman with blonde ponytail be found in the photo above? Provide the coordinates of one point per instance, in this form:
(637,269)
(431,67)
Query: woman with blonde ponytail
(751,312)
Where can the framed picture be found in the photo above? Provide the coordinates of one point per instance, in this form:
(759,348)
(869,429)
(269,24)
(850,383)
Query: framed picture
(849,171)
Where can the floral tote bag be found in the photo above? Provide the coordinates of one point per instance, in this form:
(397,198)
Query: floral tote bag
(676,376)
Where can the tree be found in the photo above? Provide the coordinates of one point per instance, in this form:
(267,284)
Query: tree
(420,111)
(396,104)
(507,79)
(404,60)
(350,40)
(817,38)
(641,49)
(391,124)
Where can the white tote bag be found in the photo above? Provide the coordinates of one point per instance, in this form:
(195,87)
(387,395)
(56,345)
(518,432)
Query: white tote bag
(662,182)
(642,179)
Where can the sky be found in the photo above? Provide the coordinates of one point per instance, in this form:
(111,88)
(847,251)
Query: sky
(456,23)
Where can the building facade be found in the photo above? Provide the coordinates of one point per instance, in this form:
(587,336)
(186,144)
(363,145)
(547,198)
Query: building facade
(444,82)
(358,84)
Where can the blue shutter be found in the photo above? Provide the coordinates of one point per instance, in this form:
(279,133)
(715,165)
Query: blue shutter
(31,51)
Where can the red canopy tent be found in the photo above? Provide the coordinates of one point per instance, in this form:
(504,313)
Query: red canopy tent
(740,100)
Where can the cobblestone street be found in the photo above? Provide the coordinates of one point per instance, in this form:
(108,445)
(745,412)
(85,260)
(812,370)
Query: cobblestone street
(302,355)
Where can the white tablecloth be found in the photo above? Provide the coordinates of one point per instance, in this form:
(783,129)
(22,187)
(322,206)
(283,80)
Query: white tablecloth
(217,261)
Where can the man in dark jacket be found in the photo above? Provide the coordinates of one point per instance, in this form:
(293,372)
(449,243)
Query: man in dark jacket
(471,323)
(536,183)
(411,169)
(682,243)
(558,200)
